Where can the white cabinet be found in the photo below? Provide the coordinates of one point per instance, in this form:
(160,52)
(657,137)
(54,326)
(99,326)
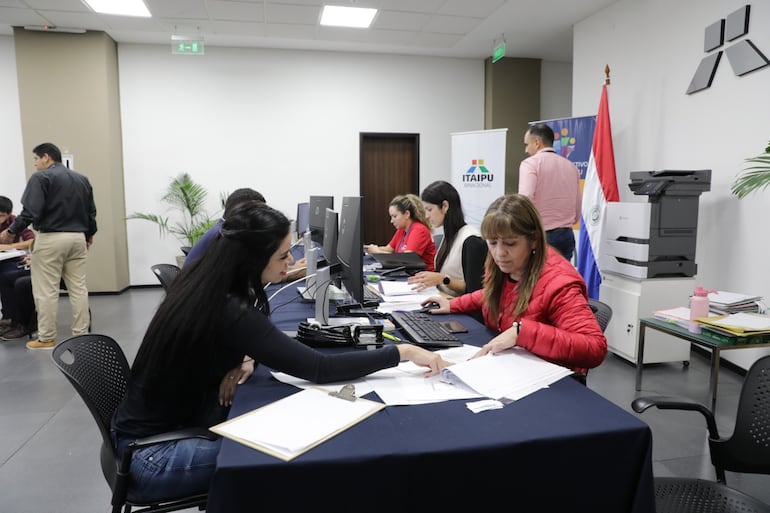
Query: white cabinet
(632,298)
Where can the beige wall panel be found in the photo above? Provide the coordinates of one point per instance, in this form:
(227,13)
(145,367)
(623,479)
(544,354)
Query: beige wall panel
(68,90)
(511,100)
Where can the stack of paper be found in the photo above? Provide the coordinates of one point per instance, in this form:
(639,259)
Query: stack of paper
(511,374)
(731,302)
(398,295)
(7,254)
(679,315)
(738,324)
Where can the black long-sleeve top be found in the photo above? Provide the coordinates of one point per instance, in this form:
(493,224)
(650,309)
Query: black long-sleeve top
(253,334)
(57,200)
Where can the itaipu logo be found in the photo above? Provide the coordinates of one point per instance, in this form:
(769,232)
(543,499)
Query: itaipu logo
(478,172)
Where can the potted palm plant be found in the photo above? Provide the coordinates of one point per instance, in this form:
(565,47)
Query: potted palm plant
(754,177)
(188,198)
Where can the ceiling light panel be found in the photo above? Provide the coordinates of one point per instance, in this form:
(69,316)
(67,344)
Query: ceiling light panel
(338,16)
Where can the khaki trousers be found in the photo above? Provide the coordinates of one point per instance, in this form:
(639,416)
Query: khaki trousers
(57,256)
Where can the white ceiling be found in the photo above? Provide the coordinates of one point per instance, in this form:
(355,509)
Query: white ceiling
(448,28)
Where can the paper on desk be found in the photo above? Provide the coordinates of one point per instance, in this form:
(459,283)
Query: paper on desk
(740,322)
(362,387)
(679,315)
(7,254)
(402,291)
(721,297)
(288,427)
(407,384)
(403,300)
(512,374)
(402,288)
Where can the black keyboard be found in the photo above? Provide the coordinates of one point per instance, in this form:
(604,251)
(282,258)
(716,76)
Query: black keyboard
(422,330)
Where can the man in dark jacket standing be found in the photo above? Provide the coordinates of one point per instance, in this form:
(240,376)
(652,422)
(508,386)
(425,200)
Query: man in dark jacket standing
(60,205)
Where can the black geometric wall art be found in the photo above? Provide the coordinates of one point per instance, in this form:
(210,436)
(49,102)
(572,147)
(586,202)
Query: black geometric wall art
(714,36)
(744,57)
(737,23)
(704,75)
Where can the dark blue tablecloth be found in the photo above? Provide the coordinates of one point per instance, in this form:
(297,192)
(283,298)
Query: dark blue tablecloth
(561,449)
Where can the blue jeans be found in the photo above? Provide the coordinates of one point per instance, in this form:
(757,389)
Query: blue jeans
(174,469)
(563,240)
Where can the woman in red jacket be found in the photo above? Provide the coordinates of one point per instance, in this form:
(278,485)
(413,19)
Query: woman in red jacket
(532,297)
(407,216)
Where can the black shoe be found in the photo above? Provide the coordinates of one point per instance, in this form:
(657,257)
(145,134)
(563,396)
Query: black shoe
(16,333)
(5,328)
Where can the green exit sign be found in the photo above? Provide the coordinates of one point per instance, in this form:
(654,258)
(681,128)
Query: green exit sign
(187,47)
(499,52)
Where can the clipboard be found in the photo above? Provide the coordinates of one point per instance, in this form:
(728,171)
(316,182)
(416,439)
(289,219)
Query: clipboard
(295,424)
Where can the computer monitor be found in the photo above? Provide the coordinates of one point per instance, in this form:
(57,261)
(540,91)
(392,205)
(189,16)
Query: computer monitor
(331,227)
(350,247)
(303,212)
(317,216)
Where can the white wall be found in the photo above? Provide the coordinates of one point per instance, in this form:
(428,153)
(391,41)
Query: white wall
(285,123)
(11,146)
(653,49)
(555,90)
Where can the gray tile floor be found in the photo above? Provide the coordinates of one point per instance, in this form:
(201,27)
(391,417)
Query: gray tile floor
(49,459)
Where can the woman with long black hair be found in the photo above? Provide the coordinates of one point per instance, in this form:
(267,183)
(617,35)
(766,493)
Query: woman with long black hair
(205,338)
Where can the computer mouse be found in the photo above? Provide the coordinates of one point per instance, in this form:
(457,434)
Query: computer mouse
(430,306)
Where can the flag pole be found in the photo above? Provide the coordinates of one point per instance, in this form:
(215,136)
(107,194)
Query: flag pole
(607,74)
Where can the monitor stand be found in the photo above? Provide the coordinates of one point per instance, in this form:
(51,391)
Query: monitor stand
(322,293)
(311,256)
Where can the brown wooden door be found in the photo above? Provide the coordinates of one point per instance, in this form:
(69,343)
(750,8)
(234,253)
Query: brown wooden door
(390,165)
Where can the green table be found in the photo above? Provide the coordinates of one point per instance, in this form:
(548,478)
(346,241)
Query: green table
(714,345)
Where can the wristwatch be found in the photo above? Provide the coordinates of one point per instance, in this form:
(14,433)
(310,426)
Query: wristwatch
(446,280)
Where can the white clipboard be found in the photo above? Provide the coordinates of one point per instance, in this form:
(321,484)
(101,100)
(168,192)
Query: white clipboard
(295,424)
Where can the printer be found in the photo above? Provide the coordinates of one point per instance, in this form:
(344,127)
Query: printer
(656,238)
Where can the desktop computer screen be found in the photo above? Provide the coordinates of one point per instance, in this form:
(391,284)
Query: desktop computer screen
(331,227)
(350,247)
(317,216)
(303,212)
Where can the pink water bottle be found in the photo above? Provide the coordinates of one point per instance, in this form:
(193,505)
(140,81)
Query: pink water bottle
(699,307)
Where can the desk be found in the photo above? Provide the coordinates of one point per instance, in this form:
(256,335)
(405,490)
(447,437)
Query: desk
(564,448)
(674,329)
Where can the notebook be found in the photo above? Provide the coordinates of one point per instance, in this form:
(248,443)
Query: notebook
(396,260)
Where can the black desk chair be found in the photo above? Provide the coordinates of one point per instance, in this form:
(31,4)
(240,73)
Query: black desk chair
(98,369)
(166,273)
(747,450)
(602,312)
(473,257)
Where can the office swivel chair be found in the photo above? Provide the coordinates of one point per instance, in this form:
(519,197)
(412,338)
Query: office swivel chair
(98,369)
(747,450)
(603,313)
(473,257)
(166,273)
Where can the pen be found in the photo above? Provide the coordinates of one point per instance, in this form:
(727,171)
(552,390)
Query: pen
(391,337)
